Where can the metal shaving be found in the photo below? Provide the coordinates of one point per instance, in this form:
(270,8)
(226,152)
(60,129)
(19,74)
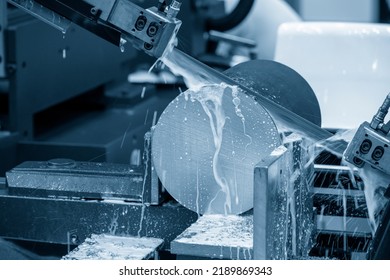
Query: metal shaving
(108,247)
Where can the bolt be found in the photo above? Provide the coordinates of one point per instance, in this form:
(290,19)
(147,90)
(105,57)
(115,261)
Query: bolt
(74,239)
(94,11)
(61,163)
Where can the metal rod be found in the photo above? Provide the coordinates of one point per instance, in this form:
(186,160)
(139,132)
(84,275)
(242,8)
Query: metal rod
(185,65)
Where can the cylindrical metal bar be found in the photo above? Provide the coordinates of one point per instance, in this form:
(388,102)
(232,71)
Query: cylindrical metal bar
(208,140)
(180,63)
(206,144)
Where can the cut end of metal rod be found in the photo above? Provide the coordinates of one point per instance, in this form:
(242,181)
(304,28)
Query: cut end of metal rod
(209,139)
(206,144)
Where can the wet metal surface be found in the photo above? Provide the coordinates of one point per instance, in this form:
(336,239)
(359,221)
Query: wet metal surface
(109,247)
(280,84)
(70,222)
(283,207)
(205,149)
(205,158)
(217,236)
(179,62)
(65,178)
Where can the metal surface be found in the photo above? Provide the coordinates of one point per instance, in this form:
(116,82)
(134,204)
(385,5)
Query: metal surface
(340,205)
(8,151)
(182,64)
(283,217)
(217,237)
(116,21)
(369,151)
(280,84)
(3,26)
(344,230)
(64,178)
(113,135)
(371,142)
(2,183)
(380,246)
(352,226)
(217,36)
(70,222)
(125,16)
(109,247)
(43,13)
(89,180)
(205,159)
(369,146)
(210,175)
(40,77)
(338,192)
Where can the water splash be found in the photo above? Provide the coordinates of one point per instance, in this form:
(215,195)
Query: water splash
(146,159)
(197,189)
(43,14)
(291,210)
(205,88)
(122,44)
(196,81)
(195,76)
(64,50)
(114,224)
(143,92)
(374,182)
(212,106)
(237,101)
(154,119)
(146,116)
(375,185)
(345,239)
(231,235)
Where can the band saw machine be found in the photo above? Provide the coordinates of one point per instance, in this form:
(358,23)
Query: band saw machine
(238,168)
